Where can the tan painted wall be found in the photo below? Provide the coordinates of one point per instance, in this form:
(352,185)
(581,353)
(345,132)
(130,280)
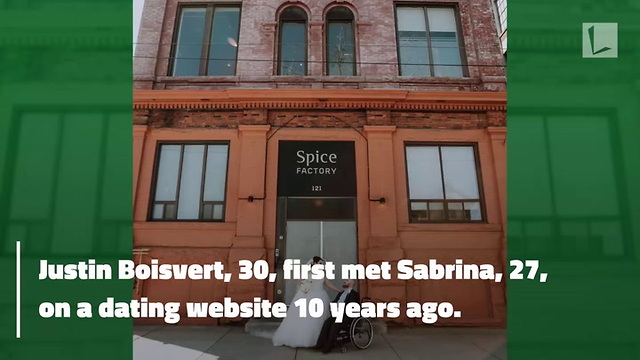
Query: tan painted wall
(384,231)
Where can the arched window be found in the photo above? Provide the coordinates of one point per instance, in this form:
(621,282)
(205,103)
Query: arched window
(292,52)
(340,51)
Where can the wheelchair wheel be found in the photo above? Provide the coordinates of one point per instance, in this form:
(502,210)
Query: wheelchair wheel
(361,333)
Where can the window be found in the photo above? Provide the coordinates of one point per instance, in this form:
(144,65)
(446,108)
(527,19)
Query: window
(64,166)
(443,184)
(501,8)
(190,182)
(549,215)
(428,42)
(340,42)
(206,42)
(293,42)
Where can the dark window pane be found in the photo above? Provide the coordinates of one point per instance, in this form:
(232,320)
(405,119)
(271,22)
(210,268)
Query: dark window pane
(341,49)
(436,211)
(224,41)
(293,48)
(207,212)
(293,13)
(170,212)
(339,13)
(456,212)
(419,211)
(321,209)
(190,38)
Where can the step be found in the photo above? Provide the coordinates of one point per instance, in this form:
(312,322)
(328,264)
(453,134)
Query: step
(267,327)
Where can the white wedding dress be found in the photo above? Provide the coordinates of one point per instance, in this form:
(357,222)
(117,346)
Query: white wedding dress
(295,331)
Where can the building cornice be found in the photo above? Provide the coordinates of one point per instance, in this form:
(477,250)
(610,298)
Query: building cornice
(312,99)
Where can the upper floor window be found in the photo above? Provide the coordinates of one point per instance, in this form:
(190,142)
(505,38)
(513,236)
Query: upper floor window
(340,52)
(190,182)
(292,52)
(429,41)
(501,9)
(206,40)
(443,183)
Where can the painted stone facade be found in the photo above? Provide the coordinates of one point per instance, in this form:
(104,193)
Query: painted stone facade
(377,109)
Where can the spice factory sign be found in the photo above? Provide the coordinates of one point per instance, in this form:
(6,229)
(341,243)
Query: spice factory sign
(316,168)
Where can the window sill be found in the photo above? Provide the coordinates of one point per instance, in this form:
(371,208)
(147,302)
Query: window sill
(204,78)
(314,79)
(450,226)
(183,234)
(186,225)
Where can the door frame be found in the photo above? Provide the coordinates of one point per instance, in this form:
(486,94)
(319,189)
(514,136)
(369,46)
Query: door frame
(280,252)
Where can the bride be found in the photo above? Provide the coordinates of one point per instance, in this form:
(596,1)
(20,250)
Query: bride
(295,331)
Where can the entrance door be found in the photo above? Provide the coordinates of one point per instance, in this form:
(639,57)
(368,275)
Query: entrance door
(316,213)
(309,227)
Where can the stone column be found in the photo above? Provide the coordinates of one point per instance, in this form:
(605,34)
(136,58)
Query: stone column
(384,243)
(249,243)
(498,136)
(382,185)
(139,134)
(253,155)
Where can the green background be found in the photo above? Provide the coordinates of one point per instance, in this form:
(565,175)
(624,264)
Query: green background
(65,169)
(574,182)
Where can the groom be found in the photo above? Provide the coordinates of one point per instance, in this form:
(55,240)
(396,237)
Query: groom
(330,329)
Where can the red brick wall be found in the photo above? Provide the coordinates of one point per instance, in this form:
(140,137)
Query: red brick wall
(318,119)
(376,48)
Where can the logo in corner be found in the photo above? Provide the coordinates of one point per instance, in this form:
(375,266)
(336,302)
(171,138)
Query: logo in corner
(599,40)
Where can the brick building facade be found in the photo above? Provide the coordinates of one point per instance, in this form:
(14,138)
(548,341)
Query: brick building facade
(363,131)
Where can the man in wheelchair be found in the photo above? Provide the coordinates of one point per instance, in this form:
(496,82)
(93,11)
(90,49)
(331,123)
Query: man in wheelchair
(331,332)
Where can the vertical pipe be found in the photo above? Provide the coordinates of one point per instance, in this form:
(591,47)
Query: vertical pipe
(321,239)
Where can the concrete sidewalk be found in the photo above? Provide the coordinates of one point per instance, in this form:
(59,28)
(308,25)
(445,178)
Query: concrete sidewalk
(231,343)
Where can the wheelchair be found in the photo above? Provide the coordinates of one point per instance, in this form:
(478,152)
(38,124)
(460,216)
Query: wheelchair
(358,331)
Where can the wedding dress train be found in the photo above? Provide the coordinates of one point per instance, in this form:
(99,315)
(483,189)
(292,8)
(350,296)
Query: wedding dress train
(296,331)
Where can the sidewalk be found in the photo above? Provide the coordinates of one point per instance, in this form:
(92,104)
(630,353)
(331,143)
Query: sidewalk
(232,343)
